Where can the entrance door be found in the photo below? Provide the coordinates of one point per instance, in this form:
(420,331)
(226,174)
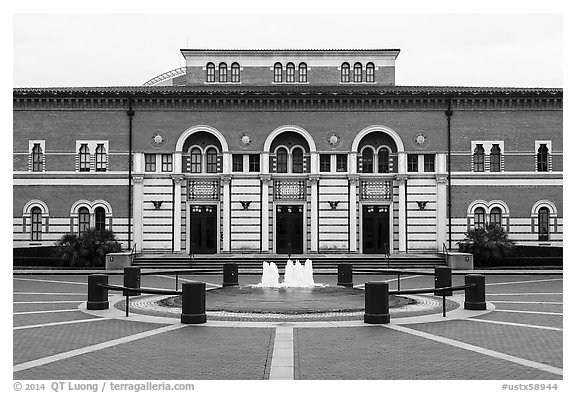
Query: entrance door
(289,229)
(203,230)
(375,229)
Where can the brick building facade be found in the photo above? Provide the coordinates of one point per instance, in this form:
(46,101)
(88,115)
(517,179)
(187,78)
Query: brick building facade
(276,151)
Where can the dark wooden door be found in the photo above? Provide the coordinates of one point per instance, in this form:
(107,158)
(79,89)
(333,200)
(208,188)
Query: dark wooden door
(203,229)
(375,229)
(289,229)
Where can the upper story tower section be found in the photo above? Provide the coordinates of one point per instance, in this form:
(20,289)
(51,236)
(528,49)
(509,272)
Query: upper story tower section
(277,67)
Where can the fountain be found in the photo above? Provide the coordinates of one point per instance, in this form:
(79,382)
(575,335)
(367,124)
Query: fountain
(295,275)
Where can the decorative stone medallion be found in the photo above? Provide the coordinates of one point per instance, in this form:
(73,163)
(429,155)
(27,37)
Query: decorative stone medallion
(245,140)
(157,140)
(333,140)
(420,140)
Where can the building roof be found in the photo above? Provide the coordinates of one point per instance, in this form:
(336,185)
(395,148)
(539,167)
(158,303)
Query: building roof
(292,89)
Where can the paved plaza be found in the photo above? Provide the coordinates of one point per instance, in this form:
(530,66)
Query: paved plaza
(519,337)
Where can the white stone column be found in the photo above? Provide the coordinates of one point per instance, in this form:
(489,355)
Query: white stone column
(441,192)
(401,213)
(226,182)
(177,168)
(266,179)
(353,236)
(137,209)
(314,179)
(178,180)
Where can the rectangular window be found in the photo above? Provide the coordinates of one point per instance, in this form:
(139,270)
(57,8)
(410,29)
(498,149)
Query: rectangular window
(84,158)
(237,163)
(254,163)
(150,162)
(100,158)
(37,158)
(166,162)
(429,163)
(324,162)
(36,223)
(341,162)
(412,162)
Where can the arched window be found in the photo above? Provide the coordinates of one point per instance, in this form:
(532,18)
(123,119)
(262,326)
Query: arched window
(37,158)
(211,160)
(290,72)
(282,160)
(84,158)
(479,218)
(478,158)
(357,72)
(367,160)
(277,72)
(496,216)
(210,72)
(542,158)
(36,216)
(222,72)
(100,158)
(543,224)
(297,161)
(370,72)
(235,72)
(83,220)
(302,73)
(345,73)
(495,155)
(100,218)
(383,161)
(195,160)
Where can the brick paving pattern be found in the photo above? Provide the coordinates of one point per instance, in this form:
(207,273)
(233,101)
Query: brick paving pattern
(530,319)
(37,319)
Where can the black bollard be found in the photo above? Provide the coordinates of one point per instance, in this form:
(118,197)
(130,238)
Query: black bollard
(345,274)
(97,296)
(442,278)
(475,297)
(193,303)
(376,306)
(132,279)
(230,275)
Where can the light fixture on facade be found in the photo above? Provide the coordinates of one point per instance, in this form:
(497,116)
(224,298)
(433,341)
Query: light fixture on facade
(333,204)
(157,204)
(422,204)
(245,204)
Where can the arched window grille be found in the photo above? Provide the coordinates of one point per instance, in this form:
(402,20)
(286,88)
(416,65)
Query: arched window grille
(195,160)
(495,158)
(543,224)
(289,72)
(297,161)
(222,72)
(36,215)
(302,73)
(496,216)
(542,158)
(84,158)
(37,158)
(235,72)
(479,218)
(282,160)
(367,160)
(278,72)
(210,72)
(83,220)
(383,161)
(100,158)
(478,158)
(100,218)
(357,72)
(345,73)
(370,72)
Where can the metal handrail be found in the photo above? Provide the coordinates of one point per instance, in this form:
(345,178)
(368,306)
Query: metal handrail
(127,290)
(431,290)
(445,253)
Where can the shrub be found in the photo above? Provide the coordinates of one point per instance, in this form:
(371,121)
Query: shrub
(488,245)
(86,250)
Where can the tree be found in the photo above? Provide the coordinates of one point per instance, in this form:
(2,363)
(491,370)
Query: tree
(488,245)
(87,250)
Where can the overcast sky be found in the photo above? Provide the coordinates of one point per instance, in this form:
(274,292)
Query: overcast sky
(517,50)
